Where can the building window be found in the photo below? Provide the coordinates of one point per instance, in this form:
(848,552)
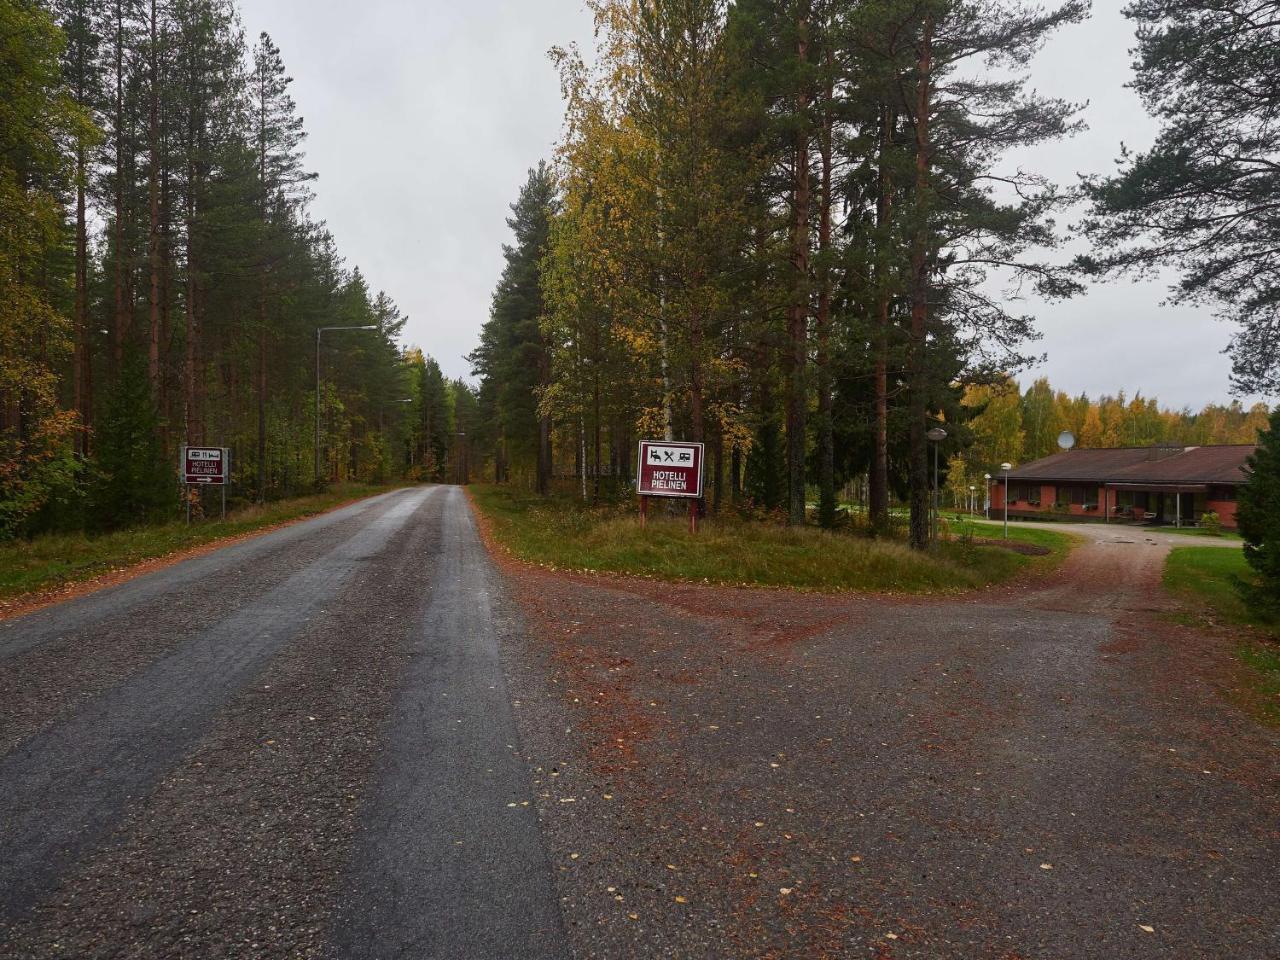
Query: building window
(1024,492)
(1073,495)
(1223,494)
(1134,498)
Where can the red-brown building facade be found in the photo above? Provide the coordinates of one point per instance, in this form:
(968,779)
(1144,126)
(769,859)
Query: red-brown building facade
(1160,484)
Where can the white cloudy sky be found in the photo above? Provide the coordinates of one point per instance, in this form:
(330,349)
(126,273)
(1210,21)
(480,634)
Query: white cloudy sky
(424,116)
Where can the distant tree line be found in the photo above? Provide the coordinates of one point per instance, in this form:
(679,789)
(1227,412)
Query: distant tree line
(789,230)
(1008,425)
(162,279)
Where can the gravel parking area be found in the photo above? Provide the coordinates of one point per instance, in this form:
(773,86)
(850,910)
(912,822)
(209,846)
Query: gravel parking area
(1046,770)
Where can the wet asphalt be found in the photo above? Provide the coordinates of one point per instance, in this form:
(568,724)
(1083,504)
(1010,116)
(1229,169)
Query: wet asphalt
(300,745)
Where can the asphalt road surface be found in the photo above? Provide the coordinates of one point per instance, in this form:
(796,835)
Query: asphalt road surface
(296,746)
(359,737)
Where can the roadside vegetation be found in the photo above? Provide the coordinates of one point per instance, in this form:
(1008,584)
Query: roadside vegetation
(1210,580)
(48,562)
(565,534)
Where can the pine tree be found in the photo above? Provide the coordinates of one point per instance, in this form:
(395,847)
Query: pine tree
(1203,198)
(282,189)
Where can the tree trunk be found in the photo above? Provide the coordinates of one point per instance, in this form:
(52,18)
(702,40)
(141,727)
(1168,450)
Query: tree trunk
(878,480)
(261,492)
(81,365)
(153,197)
(826,427)
(192,400)
(798,308)
(918,379)
(120,327)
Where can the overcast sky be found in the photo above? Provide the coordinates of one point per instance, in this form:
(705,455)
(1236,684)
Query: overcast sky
(424,116)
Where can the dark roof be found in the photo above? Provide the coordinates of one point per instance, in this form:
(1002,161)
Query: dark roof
(1216,464)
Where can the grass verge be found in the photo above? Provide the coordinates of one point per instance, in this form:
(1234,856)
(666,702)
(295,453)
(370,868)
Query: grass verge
(1205,578)
(48,562)
(563,534)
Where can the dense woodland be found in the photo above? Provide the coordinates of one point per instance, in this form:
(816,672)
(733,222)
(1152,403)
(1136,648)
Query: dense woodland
(162,281)
(789,229)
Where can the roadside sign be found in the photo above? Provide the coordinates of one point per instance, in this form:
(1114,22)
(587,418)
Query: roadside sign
(669,469)
(205,465)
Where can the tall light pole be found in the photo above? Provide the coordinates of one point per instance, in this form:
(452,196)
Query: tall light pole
(462,468)
(320,330)
(937,435)
(973,499)
(986,503)
(1005,468)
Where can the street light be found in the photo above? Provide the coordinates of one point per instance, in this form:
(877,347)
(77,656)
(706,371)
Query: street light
(986,504)
(973,499)
(1005,468)
(937,435)
(320,330)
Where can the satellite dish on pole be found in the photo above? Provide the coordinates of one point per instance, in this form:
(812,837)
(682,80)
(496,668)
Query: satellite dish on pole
(1066,439)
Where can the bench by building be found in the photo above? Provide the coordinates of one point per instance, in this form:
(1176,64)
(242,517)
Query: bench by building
(1165,484)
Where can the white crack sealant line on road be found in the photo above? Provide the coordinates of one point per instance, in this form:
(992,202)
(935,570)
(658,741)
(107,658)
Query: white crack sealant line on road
(51,623)
(66,787)
(415,887)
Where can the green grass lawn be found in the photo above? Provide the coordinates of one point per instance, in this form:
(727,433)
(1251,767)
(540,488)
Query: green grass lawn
(1206,578)
(1201,532)
(564,534)
(51,561)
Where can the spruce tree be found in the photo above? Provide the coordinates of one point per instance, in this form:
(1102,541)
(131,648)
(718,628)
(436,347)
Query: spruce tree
(1258,516)
(513,359)
(138,482)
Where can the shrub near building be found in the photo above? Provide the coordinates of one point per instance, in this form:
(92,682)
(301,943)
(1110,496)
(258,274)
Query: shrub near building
(1258,515)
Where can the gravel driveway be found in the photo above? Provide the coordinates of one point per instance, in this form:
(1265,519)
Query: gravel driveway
(1040,771)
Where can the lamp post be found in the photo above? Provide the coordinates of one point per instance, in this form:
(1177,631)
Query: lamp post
(937,435)
(973,499)
(462,469)
(320,330)
(383,409)
(1005,468)
(986,505)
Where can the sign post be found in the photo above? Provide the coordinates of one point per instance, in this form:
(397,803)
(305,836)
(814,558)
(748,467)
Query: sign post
(206,466)
(670,469)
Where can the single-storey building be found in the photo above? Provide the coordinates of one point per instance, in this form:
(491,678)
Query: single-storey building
(1165,484)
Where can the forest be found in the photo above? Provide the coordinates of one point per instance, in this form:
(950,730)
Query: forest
(163,282)
(791,230)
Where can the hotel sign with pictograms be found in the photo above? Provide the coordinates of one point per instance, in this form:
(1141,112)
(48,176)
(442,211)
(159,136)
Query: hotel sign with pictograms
(669,469)
(205,465)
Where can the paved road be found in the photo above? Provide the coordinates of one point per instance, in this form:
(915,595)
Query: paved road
(297,746)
